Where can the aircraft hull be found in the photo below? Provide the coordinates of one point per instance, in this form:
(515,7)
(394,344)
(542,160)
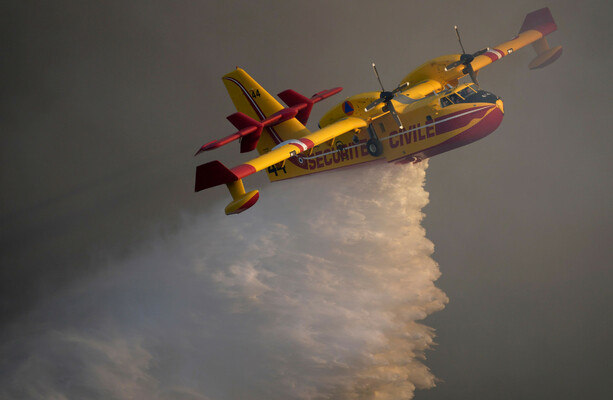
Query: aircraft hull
(486,125)
(428,132)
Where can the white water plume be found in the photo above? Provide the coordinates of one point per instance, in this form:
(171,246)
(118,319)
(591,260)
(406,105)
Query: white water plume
(312,294)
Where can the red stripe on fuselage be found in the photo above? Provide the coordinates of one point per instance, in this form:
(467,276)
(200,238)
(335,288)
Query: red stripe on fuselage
(458,119)
(488,124)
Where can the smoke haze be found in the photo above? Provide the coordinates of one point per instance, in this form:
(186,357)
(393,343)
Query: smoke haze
(103,106)
(309,295)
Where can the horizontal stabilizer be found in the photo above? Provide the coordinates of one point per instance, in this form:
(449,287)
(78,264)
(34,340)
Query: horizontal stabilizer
(324,94)
(295,99)
(251,128)
(303,104)
(213,174)
(257,110)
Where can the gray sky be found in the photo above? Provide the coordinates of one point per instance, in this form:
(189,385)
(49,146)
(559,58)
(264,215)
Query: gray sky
(105,103)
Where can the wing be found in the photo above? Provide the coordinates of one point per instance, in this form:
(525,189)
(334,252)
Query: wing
(293,147)
(215,173)
(536,26)
(435,74)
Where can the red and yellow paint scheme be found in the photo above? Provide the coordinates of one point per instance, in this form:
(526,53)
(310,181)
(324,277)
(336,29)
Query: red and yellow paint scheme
(429,113)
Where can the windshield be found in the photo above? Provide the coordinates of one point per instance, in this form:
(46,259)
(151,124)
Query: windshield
(468,95)
(467,91)
(455,99)
(445,102)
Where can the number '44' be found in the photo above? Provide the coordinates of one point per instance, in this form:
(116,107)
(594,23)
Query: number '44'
(255,93)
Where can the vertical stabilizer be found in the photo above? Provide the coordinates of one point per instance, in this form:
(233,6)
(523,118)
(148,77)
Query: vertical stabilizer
(253,100)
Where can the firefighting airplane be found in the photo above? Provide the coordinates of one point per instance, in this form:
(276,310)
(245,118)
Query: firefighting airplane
(429,113)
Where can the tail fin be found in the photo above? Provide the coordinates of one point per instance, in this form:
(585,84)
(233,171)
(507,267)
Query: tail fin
(253,100)
(543,22)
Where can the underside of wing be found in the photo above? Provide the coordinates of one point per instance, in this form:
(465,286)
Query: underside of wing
(447,70)
(215,173)
(293,147)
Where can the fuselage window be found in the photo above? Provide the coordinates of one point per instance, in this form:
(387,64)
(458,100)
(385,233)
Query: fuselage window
(445,102)
(455,98)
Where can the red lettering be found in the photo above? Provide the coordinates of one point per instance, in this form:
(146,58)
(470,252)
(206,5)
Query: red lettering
(320,161)
(430,131)
(415,139)
(421,136)
(364,151)
(327,161)
(438,131)
(401,140)
(394,143)
(312,164)
(336,157)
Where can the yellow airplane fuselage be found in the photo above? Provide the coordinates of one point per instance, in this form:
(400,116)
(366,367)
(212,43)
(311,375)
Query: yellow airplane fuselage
(431,126)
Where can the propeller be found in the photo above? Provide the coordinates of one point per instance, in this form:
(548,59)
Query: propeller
(466,60)
(386,97)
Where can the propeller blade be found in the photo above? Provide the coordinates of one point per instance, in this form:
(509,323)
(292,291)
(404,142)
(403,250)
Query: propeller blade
(374,104)
(401,98)
(473,74)
(482,51)
(374,67)
(390,106)
(457,33)
(454,65)
(401,88)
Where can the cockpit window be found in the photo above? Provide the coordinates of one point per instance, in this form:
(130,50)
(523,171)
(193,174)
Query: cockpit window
(455,98)
(445,102)
(467,91)
(468,95)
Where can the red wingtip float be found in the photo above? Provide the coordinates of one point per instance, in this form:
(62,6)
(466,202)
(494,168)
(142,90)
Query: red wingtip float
(430,112)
